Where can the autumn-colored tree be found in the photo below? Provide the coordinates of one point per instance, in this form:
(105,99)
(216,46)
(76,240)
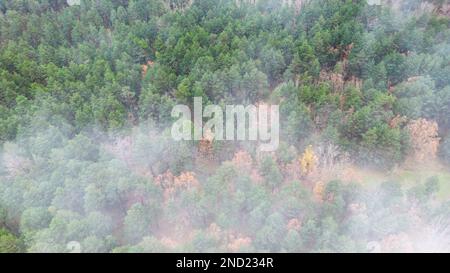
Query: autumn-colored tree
(144,68)
(424,140)
(215,231)
(172,185)
(294,224)
(318,190)
(239,244)
(186,180)
(308,161)
(205,150)
(243,161)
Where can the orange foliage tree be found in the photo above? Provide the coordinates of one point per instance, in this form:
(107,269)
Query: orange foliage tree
(424,139)
(172,185)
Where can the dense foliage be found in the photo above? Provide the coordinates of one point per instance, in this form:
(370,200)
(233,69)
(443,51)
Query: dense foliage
(86,93)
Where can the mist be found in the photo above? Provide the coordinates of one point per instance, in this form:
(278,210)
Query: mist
(88,162)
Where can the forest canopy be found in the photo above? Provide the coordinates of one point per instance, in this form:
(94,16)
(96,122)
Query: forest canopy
(86,93)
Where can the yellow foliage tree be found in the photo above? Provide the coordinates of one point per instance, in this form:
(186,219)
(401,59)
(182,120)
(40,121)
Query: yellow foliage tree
(319,190)
(308,161)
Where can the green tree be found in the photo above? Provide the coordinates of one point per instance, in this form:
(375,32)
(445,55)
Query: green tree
(9,243)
